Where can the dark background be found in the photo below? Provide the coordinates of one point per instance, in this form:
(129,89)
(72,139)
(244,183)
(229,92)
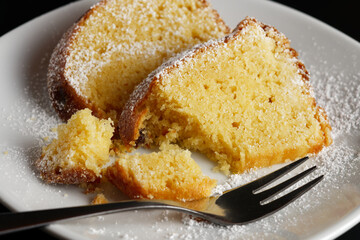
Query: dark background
(342,15)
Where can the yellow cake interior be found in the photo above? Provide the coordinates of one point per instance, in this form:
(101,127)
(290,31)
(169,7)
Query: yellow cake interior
(125,40)
(82,145)
(170,173)
(243,103)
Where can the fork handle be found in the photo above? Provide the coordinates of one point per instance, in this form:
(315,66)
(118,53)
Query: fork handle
(18,221)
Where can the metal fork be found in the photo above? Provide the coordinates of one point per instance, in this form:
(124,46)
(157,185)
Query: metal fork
(237,206)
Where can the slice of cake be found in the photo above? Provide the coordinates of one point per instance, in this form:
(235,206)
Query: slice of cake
(245,101)
(79,152)
(116,44)
(170,174)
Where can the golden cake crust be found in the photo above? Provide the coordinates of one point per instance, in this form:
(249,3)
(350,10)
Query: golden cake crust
(63,95)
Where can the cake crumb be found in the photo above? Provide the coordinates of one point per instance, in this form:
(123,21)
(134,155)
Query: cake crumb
(99,199)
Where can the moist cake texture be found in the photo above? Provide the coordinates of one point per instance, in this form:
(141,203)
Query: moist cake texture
(245,101)
(169,174)
(79,152)
(116,44)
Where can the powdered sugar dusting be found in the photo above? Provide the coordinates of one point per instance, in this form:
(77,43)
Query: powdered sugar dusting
(245,27)
(338,92)
(115,32)
(341,100)
(31,119)
(33,114)
(339,164)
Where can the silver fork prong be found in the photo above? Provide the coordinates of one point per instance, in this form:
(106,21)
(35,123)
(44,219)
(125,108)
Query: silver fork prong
(267,179)
(290,197)
(266,194)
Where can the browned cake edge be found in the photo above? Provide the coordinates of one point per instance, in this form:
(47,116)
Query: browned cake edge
(128,184)
(62,94)
(74,175)
(134,110)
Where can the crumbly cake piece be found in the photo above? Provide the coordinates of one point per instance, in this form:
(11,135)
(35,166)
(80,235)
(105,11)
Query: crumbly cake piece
(245,101)
(79,152)
(116,44)
(99,199)
(169,174)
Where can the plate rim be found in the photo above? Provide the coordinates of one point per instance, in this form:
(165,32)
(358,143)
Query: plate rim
(333,231)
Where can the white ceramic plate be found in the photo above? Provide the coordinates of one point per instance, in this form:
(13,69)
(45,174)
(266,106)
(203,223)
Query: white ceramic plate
(26,120)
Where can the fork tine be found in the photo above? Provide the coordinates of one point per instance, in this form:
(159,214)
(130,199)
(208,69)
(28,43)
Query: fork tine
(288,198)
(267,179)
(274,190)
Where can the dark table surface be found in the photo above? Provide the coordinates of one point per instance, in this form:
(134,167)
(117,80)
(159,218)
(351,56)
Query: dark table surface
(340,15)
